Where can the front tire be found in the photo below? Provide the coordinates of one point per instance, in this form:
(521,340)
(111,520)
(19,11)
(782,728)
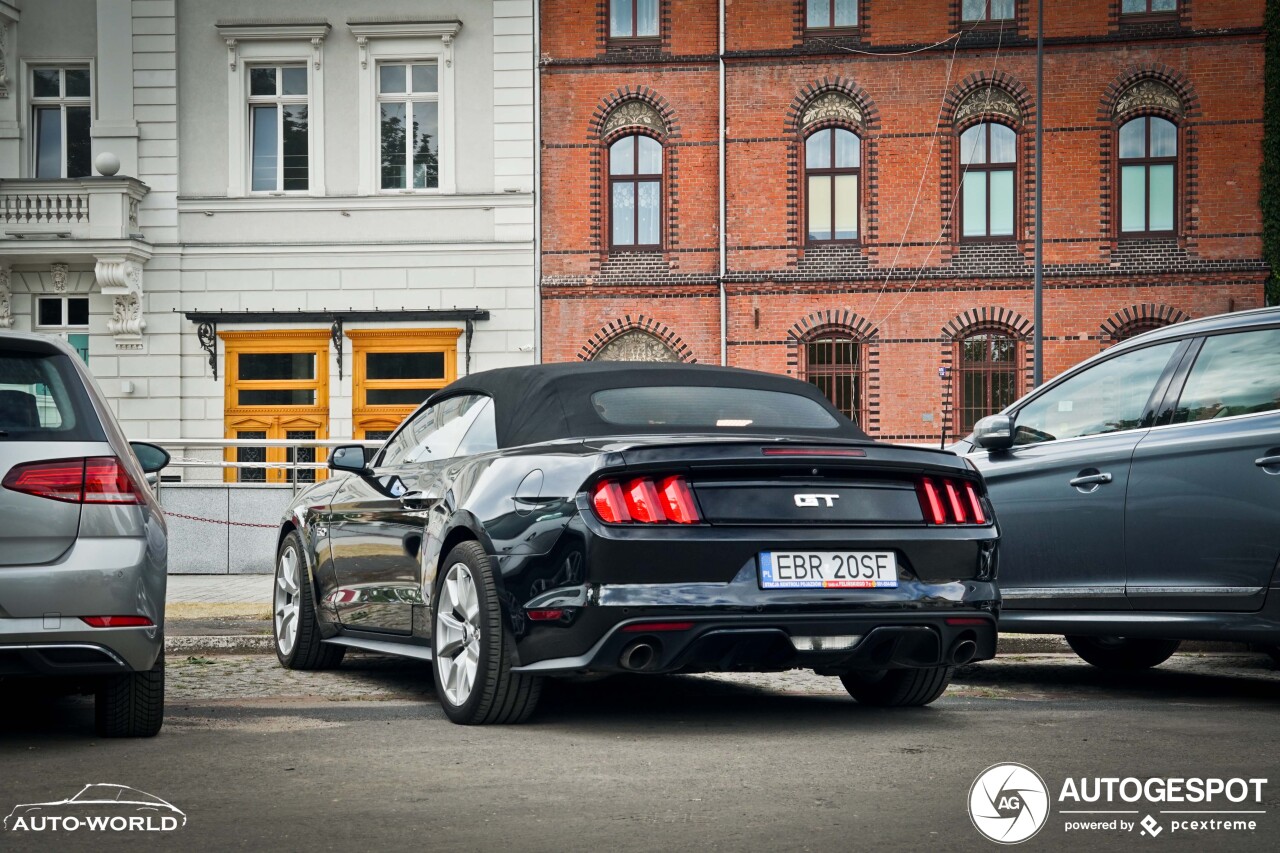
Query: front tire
(898,688)
(1123,653)
(294,624)
(470,646)
(131,705)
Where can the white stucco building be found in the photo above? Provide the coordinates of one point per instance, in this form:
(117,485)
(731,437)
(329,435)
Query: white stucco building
(322,210)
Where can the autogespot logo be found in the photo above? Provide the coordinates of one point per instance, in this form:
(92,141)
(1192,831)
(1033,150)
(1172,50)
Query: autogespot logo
(1008,803)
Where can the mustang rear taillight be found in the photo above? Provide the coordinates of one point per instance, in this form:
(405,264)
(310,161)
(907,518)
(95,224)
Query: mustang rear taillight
(947,501)
(96,480)
(645,500)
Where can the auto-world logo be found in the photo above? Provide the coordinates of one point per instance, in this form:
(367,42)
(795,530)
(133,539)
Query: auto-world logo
(1008,803)
(98,808)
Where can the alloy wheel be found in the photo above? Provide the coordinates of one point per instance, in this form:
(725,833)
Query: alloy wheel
(457,633)
(288,603)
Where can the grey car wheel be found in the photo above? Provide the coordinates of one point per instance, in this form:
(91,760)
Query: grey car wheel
(470,645)
(1125,653)
(294,625)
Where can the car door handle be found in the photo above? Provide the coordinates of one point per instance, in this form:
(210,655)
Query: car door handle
(1091,480)
(1267,461)
(416,500)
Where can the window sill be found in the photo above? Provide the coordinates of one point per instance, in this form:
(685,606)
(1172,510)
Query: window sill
(622,43)
(1141,18)
(990,26)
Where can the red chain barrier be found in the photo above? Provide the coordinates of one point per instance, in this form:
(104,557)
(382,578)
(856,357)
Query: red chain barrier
(217,520)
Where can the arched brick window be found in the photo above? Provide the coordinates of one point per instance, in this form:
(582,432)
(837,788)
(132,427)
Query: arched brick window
(834,360)
(1148,160)
(988,194)
(1137,327)
(635,192)
(832,164)
(988,368)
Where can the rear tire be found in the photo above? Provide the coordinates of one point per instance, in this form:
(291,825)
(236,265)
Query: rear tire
(294,626)
(471,646)
(131,705)
(1123,653)
(898,688)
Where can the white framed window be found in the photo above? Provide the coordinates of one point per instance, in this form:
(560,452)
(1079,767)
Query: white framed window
(406,106)
(61,116)
(279,147)
(62,312)
(409,125)
(275,108)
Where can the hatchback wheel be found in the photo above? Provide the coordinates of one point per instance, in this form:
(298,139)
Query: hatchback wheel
(296,631)
(131,705)
(1123,652)
(470,646)
(898,688)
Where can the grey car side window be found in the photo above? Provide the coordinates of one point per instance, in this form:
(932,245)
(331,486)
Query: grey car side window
(1237,374)
(1107,397)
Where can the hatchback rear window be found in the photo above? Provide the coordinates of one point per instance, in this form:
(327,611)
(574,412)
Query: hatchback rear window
(41,399)
(709,407)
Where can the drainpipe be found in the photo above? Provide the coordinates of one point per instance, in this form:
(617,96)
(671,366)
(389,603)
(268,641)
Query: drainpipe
(537,184)
(724,298)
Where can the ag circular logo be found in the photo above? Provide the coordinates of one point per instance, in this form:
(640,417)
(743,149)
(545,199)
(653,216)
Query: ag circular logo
(1008,803)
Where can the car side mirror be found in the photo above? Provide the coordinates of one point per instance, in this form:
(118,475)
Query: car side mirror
(349,458)
(994,432)
(151,458)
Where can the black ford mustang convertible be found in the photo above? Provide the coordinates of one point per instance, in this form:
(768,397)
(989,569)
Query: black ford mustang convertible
(602,518)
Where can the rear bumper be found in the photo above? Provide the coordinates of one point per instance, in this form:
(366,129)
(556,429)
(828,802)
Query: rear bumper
(29,648)
(826,642)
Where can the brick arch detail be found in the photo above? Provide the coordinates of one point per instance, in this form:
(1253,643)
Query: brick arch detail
(846,87)
(621,95)
(980,80)
(621,325)
(864,332)
(868,132)
(1171,77)
(1114,326)
(963,324)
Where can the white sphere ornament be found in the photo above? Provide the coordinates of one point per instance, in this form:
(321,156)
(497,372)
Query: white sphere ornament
(107,164)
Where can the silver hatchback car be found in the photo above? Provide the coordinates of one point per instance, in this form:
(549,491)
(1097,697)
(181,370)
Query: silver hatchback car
(83,546)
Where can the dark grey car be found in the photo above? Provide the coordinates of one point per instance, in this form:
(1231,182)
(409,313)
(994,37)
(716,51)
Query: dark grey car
(83,555)
(1139,493)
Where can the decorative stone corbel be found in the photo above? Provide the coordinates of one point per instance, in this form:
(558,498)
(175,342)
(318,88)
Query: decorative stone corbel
(6,298)
(233,53)
(59,273)
(363,43)
(120,276)
(447,38)
(316,45)
(4,59)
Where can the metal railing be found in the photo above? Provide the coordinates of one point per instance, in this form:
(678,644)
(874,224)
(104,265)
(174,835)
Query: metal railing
(292,464)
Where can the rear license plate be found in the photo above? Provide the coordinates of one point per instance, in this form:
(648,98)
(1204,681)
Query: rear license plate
(828,570)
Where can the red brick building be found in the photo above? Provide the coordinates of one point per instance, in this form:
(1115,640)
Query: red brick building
(879,183)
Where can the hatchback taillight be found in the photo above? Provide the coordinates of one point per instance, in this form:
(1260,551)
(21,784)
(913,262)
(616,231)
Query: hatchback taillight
(96,480)
(947,501)
(645,500)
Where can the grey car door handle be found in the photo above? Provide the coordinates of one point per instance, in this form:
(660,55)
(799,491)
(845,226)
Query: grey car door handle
(416,500)
(1091,480)
(1267,461)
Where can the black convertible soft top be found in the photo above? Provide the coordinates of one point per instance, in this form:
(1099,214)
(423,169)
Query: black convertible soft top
(546,402)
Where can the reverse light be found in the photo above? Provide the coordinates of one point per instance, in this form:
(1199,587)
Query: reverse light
(645,500)
(96,480)
(116,621)
(947,501)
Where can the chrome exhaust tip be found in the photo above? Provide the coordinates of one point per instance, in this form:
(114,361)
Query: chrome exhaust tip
(639,656)
(963,651)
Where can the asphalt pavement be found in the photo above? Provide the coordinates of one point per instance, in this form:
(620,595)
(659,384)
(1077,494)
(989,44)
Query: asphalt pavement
(362,758)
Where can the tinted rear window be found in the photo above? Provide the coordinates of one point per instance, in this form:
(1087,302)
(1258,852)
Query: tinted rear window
(41,399)
(703,407)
